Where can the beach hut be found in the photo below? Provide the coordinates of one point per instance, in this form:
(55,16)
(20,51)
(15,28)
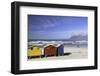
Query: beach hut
(34,52)
(50,50)
(60,50)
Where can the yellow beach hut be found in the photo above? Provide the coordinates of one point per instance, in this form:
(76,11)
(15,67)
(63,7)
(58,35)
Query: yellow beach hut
(34,51)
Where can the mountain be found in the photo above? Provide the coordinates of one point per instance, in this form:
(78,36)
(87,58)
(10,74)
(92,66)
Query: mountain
(78,38)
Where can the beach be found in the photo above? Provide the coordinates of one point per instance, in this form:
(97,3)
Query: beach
(75,53)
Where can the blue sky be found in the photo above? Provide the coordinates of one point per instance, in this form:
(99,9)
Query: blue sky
(56,27)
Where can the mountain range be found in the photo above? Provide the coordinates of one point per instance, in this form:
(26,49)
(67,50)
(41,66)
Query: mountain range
(78,38)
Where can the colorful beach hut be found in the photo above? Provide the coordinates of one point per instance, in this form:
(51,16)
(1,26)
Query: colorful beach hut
(50,50)
(60,50)
(34,51)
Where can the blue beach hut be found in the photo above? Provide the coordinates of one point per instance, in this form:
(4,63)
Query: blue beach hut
(60,50)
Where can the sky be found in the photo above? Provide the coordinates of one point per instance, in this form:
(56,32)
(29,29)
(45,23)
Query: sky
(56,27)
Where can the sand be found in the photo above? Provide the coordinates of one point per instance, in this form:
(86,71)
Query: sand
(76,53)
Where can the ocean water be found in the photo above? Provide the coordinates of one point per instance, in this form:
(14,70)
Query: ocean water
(80,44)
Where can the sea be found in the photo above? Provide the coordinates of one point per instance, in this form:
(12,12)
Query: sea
(82,43)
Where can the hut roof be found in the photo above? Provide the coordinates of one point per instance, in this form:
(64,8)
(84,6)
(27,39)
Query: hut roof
(50,46)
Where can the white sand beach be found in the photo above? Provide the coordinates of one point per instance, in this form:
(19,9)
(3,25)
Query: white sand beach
(75,53)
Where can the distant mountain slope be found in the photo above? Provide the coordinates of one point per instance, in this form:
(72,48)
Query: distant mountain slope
(78,38)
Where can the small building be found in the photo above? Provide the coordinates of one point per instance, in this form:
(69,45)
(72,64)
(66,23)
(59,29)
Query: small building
(34,51)
(60,50)
(50,50)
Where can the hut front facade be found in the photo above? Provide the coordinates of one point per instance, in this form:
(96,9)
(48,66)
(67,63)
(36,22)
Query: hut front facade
(34,51)
(60,50)
(50,51)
